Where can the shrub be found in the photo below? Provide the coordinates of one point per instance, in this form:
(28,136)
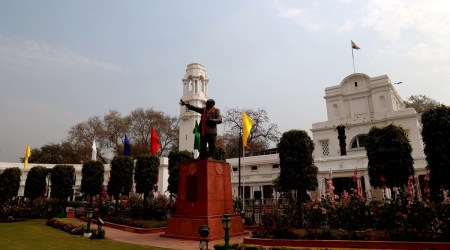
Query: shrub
(20,213)
(97,235)
(138,223)
(237,246)
(159,207)
(288,248)
(75,204)
(221,246)
(403,218)
(250,247)
(284,233)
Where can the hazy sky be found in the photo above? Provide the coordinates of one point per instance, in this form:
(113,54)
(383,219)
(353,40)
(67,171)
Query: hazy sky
(62,62)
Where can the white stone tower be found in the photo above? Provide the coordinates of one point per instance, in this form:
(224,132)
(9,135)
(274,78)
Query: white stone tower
(195,92)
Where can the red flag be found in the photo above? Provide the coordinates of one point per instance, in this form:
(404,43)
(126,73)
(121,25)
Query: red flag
(154,142)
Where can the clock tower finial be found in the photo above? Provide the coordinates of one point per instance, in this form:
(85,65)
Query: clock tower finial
(195,92)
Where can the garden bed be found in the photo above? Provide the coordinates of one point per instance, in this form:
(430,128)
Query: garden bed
(129,228)
(348,244)
(69,227)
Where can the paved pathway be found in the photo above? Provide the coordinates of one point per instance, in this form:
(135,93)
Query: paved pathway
(157,241)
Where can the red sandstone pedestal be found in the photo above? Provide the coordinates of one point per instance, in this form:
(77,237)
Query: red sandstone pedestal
(204,196)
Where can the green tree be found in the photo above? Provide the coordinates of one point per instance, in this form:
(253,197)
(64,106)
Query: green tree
(121,176)
(421,103)
(389,154)
(9,184)
(82,135)
(56,153)
(109,132)
(141,121)
(219,154)
(62,182)
(49,153)
(115,127)
(35,185)
(92,178)
(297,169)
(146,174)
(261,135)
(176,158)
(436,138)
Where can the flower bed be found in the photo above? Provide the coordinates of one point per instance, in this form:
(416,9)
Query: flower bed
(138,223)
(20,213)
(353,217)
(348,244)
(238,246)
(66,227)
(75,229)
(131,228)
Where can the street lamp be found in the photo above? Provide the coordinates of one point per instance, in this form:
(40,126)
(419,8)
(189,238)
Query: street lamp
(226,223)
(89,212)
(99,229)
(204,232)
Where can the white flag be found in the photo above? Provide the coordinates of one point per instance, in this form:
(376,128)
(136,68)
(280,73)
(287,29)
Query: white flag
(94,151)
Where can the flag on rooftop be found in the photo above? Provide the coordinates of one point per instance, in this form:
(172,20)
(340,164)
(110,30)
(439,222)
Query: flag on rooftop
(354,46)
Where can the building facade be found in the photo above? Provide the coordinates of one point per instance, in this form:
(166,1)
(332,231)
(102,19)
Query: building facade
(354,106)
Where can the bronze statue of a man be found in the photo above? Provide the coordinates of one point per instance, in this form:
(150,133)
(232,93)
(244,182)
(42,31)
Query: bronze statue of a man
(208,127)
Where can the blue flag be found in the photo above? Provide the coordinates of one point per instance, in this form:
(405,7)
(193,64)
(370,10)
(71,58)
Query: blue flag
(126,146)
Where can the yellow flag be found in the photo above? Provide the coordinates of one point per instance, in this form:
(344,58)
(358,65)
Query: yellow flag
(247,124)
(27,155)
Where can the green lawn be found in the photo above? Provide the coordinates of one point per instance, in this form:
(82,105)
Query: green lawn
(35,234)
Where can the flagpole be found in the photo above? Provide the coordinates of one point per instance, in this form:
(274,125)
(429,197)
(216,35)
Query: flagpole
(353,58)
(243,186)
(239,166)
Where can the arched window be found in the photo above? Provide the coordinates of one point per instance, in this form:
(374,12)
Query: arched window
(359,141)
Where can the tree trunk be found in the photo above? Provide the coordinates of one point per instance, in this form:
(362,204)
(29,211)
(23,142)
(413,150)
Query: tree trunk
(299,208)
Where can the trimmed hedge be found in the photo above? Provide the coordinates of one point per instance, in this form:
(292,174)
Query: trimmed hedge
(237,246)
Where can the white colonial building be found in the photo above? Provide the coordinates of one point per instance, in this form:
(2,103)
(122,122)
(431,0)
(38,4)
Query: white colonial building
(356,105)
